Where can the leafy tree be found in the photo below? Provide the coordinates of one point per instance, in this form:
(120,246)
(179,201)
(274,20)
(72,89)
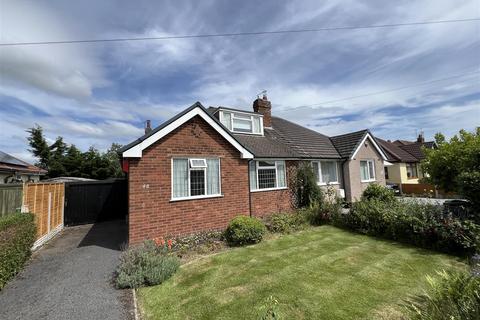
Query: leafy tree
(61,159)
(39,146)
(455,165)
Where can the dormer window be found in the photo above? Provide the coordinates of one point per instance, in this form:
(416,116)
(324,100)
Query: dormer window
(242,122)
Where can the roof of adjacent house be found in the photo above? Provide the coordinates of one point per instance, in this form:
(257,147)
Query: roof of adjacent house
(11,164)
(346,144)
(396,153)
(415,149)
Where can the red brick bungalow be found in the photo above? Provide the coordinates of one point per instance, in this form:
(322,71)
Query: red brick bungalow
(203,167)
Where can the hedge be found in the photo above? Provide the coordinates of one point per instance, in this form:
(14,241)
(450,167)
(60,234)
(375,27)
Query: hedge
(17,234)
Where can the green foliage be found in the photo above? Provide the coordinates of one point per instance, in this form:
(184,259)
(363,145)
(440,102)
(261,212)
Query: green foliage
(455,165)
(145,265)
(17,234)
(305,188)
(286,222)
(244,230)
(418,223)
(63,160)
(452,296)
(328,210)
(269,310)
(376,191)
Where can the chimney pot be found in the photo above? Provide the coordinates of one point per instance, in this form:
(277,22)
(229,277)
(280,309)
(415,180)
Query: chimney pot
(148,126)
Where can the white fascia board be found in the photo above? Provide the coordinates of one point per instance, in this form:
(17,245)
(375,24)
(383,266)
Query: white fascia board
(368,136)
(136,151)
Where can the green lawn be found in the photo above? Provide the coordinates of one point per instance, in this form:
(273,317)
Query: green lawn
(320,273)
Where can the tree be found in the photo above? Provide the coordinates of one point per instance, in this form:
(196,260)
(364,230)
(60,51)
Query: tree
(455,165)
(39,146)
(305,187)
(61,159)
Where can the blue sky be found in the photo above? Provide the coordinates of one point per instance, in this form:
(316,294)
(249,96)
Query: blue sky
(96,94)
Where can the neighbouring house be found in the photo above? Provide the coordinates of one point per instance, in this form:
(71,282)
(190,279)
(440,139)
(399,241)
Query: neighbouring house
(198,170)
(14,170)
(405,157)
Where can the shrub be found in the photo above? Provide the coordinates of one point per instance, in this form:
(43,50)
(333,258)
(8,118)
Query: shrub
(328,210)
(244,230)
(145,265)
(376,191)
(452,296)
(306,191)
(286,222)
(421,224)
(17,234)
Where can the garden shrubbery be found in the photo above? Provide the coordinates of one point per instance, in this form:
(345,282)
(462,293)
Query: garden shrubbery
(286,222)
(418,223)
(378,192)
(17,234)
(146,265)
(244,230)
(451,296)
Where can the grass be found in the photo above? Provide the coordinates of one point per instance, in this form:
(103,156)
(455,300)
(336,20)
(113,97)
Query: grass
(319,273)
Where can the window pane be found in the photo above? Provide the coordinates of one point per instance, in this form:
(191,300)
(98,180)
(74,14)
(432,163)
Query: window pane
(371,170)
(315,171)
(198,163)
(329,172)
(281,174)
(364,170)
(242,125)
(242,116)
(197,182)
(226,120)
(213,179)
(266,163)
(256,125)
(253,175)
(266,178)
(180,178)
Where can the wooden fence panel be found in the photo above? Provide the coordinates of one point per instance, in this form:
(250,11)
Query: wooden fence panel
(10,198)
(45,201)
(424,189)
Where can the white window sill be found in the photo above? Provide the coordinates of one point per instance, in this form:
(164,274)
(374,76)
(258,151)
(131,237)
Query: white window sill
(268,189)
(197,197)
(328,184)
(365,181)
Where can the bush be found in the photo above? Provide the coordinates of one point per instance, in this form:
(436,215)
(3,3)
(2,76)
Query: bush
(452,296)
(418,223)
(376,191)
(145,265)
(17,234)
(328,210)
(244,230)
(286,222)
(306,191)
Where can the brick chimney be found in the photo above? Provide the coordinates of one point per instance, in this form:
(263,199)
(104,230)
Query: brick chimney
(264,107)
(421,138)
(148,126)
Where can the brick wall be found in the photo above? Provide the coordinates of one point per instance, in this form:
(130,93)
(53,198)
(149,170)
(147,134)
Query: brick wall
(267,202)
(151,211)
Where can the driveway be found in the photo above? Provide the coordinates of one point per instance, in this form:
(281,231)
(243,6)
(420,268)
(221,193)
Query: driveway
(71,278)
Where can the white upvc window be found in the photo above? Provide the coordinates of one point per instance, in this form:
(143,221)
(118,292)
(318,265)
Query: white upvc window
(194,178)
(267,175)
(367,170)
(326,172)
(242,122)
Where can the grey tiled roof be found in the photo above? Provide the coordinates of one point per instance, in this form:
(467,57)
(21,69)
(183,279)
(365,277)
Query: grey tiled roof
(268,146)
(395,153)
(305,143)
(346,144)
(415,149)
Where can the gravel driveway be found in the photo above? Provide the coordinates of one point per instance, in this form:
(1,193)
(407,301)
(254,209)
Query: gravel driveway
(71,278)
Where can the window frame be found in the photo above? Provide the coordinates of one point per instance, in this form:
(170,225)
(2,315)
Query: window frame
(370,179)
(319,173)
(410,164)
(204,196)
(251,120)
(257,161)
